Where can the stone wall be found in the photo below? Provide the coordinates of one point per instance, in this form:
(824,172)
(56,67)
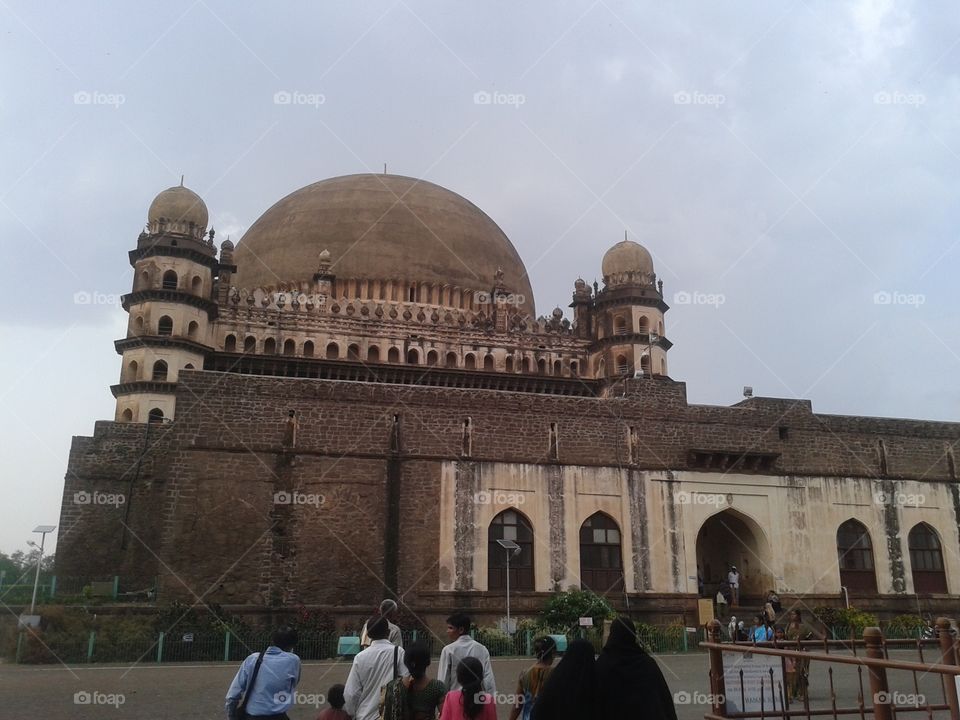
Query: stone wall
(203,511)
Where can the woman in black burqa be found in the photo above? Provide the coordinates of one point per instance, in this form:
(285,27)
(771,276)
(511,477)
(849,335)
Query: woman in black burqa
(629,681)
(570,692)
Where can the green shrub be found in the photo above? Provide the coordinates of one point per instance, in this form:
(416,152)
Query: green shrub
(844,622)
(905,626)
(564,609)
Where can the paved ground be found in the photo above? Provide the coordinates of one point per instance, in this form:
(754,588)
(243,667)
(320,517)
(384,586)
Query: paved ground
(195,692)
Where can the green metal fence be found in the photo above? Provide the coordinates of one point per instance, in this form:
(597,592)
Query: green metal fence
(105,647)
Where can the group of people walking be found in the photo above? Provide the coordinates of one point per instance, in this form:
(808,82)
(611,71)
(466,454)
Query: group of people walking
(766,629)
(389,682)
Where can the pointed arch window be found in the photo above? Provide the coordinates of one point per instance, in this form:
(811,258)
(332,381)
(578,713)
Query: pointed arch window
(169,280)
(159,371)
(510,525)
(926,560)
(855,557)
(601,558)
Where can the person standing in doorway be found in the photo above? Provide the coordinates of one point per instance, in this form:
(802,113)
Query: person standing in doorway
(733,579)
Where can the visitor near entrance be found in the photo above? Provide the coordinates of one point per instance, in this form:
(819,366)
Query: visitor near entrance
(417,696)
(533,679)
(266,680)
(733,578)
(335,700)
(373,668)
(628,679)
(470,702)
(388,610)
(463,646)
(570,692)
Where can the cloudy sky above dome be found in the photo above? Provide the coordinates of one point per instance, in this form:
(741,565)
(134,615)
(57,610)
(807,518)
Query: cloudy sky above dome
(792,167)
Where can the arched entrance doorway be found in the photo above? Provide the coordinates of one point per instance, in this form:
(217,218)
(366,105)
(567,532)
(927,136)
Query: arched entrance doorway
(732,538)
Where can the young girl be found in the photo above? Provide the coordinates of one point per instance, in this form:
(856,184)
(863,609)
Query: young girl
(335,711)
(424,695)
(469,703)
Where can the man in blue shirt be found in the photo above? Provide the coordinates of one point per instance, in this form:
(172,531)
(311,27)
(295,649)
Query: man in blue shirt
(271,694)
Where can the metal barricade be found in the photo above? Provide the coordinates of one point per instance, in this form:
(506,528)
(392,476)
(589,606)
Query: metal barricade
(759,689)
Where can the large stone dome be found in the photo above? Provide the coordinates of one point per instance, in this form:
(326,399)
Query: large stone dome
(380,227)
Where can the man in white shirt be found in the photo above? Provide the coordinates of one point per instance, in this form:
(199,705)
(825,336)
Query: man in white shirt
(733,577)
(372,668)
(388,610)
(462,645)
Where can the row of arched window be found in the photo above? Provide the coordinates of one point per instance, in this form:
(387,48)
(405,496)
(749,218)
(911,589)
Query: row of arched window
(601,558)
(857,568)
(623,366)
(159,372)
(171,281)
(413,356)
(154,416)
(621,325)
(165,327)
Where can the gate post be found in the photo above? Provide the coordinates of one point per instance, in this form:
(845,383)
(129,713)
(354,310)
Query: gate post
(948,656)
(882,707)
(717,685)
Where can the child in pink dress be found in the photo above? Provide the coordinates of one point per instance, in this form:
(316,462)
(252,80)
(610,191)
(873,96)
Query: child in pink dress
(470,703)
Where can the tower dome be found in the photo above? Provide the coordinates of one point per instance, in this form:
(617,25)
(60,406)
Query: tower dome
(180,210)
(627,257)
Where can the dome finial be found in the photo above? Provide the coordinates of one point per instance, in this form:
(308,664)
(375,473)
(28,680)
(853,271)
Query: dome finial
(181,180)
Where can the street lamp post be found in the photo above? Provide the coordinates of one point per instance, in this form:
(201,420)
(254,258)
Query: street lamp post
(43,530)
(512,550)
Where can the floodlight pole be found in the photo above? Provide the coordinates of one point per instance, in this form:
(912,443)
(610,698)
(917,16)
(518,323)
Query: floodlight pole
(509,553)
(36,577)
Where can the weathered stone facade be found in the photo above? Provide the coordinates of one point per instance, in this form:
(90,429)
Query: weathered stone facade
(203,515)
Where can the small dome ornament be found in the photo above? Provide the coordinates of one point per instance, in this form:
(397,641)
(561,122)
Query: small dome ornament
(178,210)
(628,262)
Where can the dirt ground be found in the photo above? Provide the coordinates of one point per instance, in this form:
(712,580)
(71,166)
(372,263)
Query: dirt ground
(195,692)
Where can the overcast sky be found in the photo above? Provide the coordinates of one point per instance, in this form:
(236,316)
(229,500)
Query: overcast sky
(792,166)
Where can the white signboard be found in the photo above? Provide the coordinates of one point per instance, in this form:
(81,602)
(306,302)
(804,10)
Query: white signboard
(756,678)
(586,622)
